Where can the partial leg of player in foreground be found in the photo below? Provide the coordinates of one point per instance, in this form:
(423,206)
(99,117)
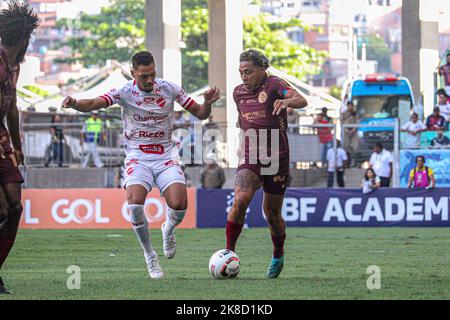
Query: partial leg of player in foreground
(10,213)
(17,23)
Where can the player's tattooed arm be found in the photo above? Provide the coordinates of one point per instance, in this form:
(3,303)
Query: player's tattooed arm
(247,180)
(84,105)
(203,111)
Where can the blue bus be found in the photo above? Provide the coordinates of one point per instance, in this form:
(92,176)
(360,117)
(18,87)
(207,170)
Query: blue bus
(379,100)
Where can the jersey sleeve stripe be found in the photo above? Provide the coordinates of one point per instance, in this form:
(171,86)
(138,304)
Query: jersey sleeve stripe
(110,100)
(108,104)
(189,102)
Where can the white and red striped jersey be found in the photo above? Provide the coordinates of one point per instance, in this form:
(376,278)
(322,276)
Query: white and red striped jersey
(147,118)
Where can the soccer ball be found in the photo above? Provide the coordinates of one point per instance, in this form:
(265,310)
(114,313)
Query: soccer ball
(224,264)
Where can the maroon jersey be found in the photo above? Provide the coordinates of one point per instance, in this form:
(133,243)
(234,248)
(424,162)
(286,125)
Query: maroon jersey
(9,172)
(8,81)
(255,112)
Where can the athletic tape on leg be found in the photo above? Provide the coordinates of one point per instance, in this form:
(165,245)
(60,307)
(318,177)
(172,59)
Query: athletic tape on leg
(137,214)
(176,216)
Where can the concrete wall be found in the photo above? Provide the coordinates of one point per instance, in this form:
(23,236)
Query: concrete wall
(49,178)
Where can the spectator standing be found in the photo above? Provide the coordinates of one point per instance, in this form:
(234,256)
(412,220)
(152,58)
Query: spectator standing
(441,141)
(414,129)
(178,120)
(381,162)
(444,104)
(58,140)
(325,136)
(444,71)
(325,115)
(371,181)
(211,123)
(421,176)
(195,139)
(336,165)
(92,131)
(351,139)
(293,119)
(213,176)
(186,175)
(435,121)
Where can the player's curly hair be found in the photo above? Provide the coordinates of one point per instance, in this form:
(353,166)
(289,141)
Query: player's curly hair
(17,23)
(257,58)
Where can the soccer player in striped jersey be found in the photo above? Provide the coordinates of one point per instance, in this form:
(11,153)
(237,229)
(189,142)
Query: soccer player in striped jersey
(151,151)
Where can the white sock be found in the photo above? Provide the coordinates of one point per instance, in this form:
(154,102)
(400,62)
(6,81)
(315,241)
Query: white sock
(174,218)
(140,227)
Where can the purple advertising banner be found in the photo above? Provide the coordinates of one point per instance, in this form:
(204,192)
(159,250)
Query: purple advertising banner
(335,208)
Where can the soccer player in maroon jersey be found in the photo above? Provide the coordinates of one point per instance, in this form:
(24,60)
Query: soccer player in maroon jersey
(262,103)
(17,23)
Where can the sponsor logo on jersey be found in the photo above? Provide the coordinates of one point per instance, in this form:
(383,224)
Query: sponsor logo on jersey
(262,97)
(135,134)
(171,163)
(279,179)
(254,115)
(249,101)
(131,162)
(161,102)
(156,118)
(152,148)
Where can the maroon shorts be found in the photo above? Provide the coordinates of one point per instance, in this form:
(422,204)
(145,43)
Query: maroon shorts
(273,184)
(9,172)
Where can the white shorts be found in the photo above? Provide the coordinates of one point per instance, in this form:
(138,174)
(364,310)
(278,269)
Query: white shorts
(159,173)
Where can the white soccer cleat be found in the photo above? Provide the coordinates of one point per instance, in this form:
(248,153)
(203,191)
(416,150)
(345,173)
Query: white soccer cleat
(154,269)
(169,243)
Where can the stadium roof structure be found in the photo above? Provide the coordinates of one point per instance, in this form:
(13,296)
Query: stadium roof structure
(317,99)
(106,79)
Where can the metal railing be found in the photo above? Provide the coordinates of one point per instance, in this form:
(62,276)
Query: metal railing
(304,141)
(41,149)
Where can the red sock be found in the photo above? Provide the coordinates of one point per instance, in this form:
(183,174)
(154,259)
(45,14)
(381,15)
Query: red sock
(278,245)
(233,231)
(5,248)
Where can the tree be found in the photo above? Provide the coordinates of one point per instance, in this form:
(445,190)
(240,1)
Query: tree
(119,31)
(378,50)
(195,55)
(116,33)
(270,37)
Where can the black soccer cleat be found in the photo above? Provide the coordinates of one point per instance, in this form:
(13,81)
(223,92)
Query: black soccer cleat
(3,290)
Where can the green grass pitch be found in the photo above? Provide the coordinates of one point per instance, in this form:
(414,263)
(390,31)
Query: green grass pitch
(320,264)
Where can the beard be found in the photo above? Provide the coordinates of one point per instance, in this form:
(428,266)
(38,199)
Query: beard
(21,55)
